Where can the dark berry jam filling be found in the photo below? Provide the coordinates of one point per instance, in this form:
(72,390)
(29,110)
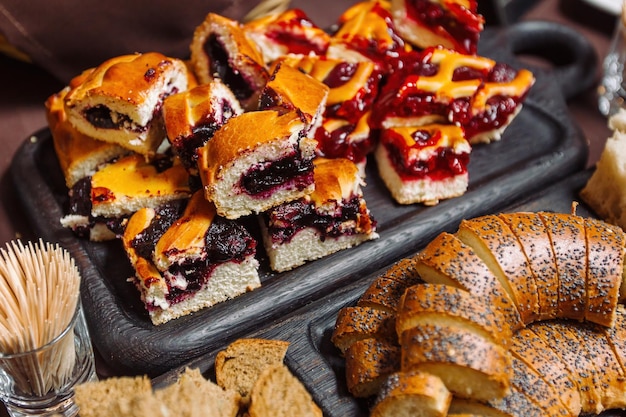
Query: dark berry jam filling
(353,108)
(164,217)
(335,144)
(291,172)
(445,163)
(100,117)
(288,219)
(463,28)
(220,65)
(495,116)
(226,241)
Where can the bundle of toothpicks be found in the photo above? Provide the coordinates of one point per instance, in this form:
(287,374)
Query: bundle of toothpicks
(39,290)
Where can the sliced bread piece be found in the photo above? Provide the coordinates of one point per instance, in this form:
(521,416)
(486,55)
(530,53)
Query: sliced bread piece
(368,364)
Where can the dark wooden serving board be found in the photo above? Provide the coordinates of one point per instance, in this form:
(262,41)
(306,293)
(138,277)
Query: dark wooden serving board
(541,146)
(313,358)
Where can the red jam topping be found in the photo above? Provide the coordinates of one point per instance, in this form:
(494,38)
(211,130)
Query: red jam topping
(444,163)
(290,34)
(459,25)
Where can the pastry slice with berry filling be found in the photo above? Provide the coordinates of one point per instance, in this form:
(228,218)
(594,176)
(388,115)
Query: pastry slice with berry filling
(424,164)
(334,217)
(220,49)
(187,258)
(454,24)
(120,101)
(256,161)
(100,204)
(191,118)
(288,32)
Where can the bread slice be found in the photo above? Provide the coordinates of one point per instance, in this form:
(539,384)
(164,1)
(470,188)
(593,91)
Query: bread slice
(578,362)
(611,376)
(470,365)
(257,161)
(191,118)
(181,262)
(384,294)
(567,236)
(423,164)
(357,323)
(278,393)
(605,265)
(120,100)
(193,395)
(409,394)
(604,191)
(239,365)
(96,398)
(544,395)
(369,362)
(543,360)
(332,218)
(534,239)
(514,404)
(447,260)
(79,155)
(437,304)
(499,248)
(220,49)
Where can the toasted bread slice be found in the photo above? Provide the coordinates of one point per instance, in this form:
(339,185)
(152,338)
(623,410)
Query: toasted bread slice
(239,365)
(384,294)
(95,398)
(356,323)
(278,393)
(447,260)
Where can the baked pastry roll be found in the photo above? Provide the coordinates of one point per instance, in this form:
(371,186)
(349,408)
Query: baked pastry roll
(423,164)
(439,84)
(289,32)
(99,205)
(332,218)
(257,161)
(79,155)
(221,49)
(290,89)
(182,262)
(191,118)
(454,24)
(120,100)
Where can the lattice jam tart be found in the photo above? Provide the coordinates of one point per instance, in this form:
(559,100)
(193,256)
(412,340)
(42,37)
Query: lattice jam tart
(332,218)
(366,32)
(424,164)
(187,258)
(454,24)
(289,32)
(441,85)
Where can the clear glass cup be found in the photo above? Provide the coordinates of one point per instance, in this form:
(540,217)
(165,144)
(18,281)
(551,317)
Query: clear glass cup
(612,88)
(41,382)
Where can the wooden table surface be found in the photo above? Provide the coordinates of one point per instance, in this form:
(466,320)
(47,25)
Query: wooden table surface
(25,88)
